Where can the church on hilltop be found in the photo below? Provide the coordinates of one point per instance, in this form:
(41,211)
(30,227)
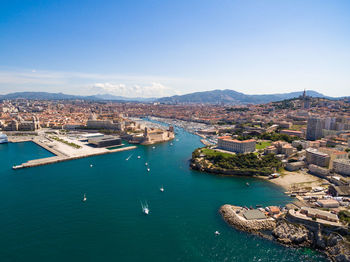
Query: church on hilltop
(305,100)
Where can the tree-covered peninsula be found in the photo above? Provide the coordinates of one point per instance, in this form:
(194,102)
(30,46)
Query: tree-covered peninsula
(212,161)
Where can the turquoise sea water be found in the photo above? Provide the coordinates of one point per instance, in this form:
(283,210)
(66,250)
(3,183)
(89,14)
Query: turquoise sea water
(43,218)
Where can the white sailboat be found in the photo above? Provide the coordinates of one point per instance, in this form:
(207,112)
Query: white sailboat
(84,198)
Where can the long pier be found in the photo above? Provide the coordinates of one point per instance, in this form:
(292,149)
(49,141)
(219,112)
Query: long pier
(61,158)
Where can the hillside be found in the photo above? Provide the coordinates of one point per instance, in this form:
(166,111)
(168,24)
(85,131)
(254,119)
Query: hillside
(231,97)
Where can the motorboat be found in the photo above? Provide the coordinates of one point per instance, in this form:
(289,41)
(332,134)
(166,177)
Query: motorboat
(91,165)
(138,157)
(148,169)
(161,189)
(146,164)
(84,198)
(145,208)
(217,233)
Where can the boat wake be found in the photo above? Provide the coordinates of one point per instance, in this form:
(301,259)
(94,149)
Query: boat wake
(145,208)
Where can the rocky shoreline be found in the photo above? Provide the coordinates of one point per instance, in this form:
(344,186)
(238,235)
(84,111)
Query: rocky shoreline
(291,234)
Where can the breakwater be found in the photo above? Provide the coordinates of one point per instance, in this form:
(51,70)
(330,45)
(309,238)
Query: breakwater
(57,159)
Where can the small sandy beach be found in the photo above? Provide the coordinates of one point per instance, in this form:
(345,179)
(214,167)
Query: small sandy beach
(300,179)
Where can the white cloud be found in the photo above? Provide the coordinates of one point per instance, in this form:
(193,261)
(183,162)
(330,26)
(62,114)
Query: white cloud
(153,89)
(14,80)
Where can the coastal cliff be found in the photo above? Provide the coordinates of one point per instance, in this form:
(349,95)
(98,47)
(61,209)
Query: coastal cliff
(290,234)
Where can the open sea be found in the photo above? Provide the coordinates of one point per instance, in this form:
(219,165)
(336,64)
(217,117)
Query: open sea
(43,218)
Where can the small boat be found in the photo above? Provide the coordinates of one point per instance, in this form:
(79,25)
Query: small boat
(84,198)
(247,184)
(177,139)
(161,189)
(91,165)
(138,157)
(171,144)
(128,157)
(145,208)
(148,169)
(153,147)
(217,233)
(146,164)
(258,206)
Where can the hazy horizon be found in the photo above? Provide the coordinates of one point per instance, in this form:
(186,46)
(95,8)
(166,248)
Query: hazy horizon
(164,48)
(155,97)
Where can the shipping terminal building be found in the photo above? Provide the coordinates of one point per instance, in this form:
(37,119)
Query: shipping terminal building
(105,141)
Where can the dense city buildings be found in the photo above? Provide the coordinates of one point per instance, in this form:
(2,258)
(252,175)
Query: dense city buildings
(314,128)
(313,156)
(342,166)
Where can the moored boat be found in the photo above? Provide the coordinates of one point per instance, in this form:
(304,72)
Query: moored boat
(3,138)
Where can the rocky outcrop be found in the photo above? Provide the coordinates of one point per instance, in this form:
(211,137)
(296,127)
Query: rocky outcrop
(291,234)
(337,248)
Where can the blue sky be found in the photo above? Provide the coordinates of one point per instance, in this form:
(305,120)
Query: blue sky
(158,48)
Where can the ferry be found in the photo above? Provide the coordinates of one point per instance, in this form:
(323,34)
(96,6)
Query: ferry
(3,138)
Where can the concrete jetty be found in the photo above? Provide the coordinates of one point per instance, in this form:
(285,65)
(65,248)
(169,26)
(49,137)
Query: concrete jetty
(61,157)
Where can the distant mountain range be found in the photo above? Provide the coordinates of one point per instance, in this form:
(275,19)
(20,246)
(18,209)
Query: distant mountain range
(232,97)
(208,97)
(61,96)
